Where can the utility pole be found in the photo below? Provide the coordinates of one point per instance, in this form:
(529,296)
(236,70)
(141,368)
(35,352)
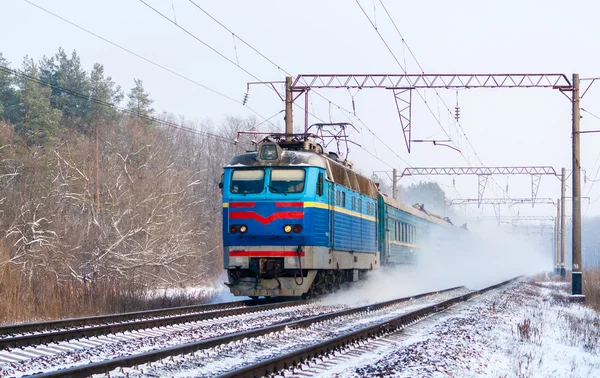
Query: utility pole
(289,100)
(577,279)
(97,166)
(395,183)
(557,244)
(563,223)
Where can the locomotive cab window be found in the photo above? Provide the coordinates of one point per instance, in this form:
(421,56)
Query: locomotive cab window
(287,181)
(320,184)
(247,181)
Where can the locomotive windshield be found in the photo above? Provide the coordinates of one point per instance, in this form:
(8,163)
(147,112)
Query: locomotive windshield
(247,181)
(287,181)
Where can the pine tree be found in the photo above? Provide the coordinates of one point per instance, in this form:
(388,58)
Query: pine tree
(37,122)
(139,103)
(8,95)
(64,72)
(106,92)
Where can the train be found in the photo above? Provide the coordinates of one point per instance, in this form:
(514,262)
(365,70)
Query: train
(299,221)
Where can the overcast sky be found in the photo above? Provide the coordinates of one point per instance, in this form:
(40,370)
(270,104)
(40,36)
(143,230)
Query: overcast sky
(505,127)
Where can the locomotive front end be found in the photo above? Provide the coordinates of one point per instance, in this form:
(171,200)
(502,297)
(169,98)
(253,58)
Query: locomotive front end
(274,221)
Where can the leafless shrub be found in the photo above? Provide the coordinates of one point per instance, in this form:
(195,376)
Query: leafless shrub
(582,332)
(150,217)
(528,332)
(591,287)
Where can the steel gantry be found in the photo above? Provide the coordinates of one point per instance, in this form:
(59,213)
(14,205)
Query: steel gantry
(402,86)
(518,218)
(499,201)
(483,173)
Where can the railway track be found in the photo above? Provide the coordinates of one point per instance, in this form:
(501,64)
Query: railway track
(30,334)
(298,358)
(343,321)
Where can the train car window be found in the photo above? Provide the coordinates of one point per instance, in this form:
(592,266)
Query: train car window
(404,232)
(360,205)
(353,203)
(287,181)
(343,199)
(247,181)
(337,197)
(320,184)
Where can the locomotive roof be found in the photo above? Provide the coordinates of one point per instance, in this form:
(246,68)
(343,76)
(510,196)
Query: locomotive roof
(336,171)
(416,212)
(305,158)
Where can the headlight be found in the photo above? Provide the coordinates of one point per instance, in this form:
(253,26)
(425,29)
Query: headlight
(287,228)
(297,228)
(233,229)
(243,229)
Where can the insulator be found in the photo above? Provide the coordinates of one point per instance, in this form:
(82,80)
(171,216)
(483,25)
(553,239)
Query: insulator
(245,100)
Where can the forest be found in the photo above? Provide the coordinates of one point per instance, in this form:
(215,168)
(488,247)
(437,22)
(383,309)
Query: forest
(101,198)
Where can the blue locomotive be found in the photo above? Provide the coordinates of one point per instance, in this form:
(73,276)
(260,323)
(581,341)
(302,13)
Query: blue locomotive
(299,222)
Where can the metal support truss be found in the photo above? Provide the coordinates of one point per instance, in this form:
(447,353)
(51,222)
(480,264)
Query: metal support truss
(402,85)
(497,212)
(483,173)
(403,99)
(457,171)
(535,184)
(481,183)
(499,201)
(518,218)
(447,81)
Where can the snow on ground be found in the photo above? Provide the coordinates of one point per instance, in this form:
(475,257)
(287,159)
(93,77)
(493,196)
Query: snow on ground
(524,331)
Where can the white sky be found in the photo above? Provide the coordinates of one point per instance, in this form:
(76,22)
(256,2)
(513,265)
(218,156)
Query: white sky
(505,126)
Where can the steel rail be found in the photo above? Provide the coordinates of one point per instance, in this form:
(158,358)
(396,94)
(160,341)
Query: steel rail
(296,358)
(99,330)
(153,356)
(113,318)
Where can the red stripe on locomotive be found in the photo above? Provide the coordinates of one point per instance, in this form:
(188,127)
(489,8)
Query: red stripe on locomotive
(266,220)
(264,253)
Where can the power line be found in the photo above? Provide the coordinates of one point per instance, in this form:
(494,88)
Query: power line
(404,70)
(211,48)
(114,106)
(423,71)
(436,92)
(239,38)
(289,74)
(143,58)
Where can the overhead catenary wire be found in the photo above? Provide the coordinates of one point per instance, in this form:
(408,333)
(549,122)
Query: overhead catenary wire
(279,67)
(115,106)
(595,179)
(215,50)
(404,70)
(143,58)
(422,70)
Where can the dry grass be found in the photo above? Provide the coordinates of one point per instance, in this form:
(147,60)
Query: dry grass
(41,298)
(591,288)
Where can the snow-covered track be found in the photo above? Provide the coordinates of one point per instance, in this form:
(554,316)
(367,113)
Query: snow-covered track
(46,332)
(297,358)
(157,355)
